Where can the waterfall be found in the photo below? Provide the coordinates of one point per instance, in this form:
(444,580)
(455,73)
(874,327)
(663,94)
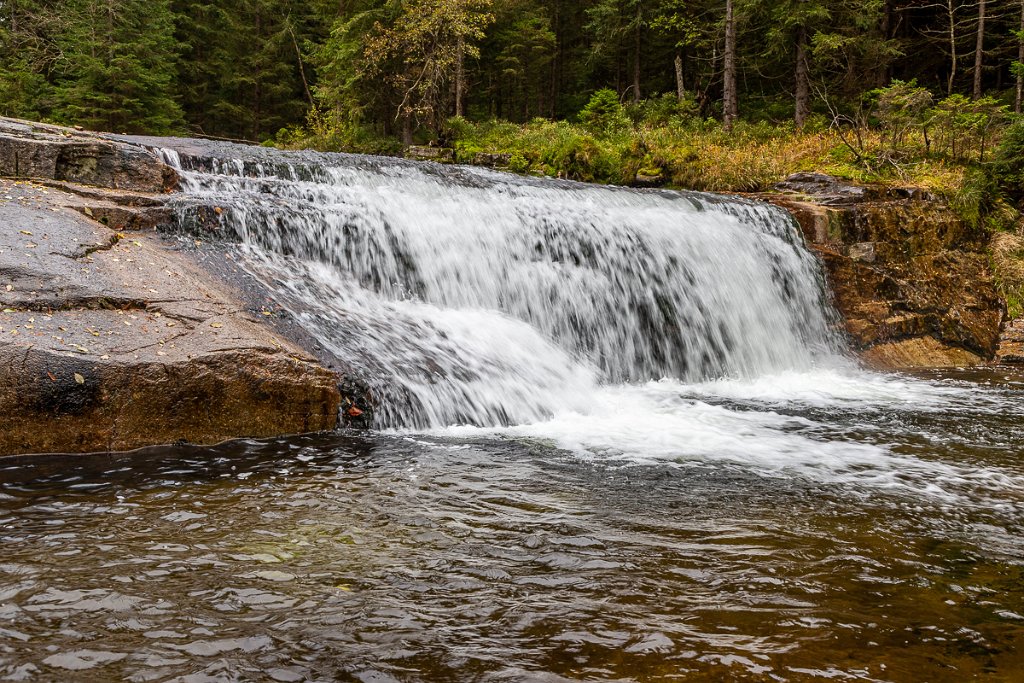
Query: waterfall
(467,296)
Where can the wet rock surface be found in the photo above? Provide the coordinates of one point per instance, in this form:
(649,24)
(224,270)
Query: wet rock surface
(910,279)
(112,336)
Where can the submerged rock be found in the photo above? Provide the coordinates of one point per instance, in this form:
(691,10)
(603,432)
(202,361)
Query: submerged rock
(911,280)
(111,336)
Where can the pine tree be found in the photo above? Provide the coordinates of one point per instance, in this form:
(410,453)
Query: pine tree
(618,28)
(517,63)
(244,65)
(118,66)
(676,20)
(347,92)
(27,55)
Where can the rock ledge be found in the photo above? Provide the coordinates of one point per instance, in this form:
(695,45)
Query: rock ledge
(910,279)
(113,337)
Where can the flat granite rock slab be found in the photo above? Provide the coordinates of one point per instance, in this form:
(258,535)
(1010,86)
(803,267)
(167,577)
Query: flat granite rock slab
(116,340)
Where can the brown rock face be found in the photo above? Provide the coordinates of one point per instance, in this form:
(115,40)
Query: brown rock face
(34,150)
(60,403)
(910,279)
(113,337)
(1007,251)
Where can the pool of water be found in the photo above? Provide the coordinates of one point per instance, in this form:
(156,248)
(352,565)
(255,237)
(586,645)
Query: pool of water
(797,528)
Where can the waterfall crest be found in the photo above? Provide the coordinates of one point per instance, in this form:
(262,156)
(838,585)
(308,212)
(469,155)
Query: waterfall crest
(466,296)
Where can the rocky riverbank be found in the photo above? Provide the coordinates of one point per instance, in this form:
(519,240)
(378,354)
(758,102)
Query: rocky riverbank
(114,337)
(911,280)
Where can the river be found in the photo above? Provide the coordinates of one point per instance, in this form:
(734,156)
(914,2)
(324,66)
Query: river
(617,436)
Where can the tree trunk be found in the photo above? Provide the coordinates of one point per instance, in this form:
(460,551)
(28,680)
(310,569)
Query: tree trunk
(730,101)
(979,49)
(555,67)
(950,7)
(637,45)
(460,79)
(257,110)
(406,130)
(803,83)
(680,84)
(302,68)
(1020,62)
(885,29)
(618,69)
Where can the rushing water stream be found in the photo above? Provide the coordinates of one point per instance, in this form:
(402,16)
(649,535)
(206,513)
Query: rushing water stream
(617,438)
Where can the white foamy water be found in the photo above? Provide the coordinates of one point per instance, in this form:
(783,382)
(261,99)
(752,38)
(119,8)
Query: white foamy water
(843,385)
(634,327)
(678,424)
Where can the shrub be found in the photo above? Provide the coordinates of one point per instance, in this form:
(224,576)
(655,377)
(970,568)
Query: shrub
(973,199)
(901,109)
(662,111)
(604,113)
(518,163)
(1008,166)
(963,124)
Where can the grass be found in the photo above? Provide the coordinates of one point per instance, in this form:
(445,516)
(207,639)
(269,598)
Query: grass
(1007,255)
(700,155)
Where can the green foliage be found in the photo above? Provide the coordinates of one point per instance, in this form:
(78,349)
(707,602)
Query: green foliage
(27,53)
(23,92)
(662,111)
(1008,166)
(1007,261)
(694,153)
(677,20)
(242,69)
(973,198)
(376,71)
(118,67)
(965,126)
(430,40)
(518,163)
(345,88)
(522,47)
(902,108)
(604,113)
(330,132)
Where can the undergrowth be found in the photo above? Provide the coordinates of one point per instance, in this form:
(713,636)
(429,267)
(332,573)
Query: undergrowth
(978,169)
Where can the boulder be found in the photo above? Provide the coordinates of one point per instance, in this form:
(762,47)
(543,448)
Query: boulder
(443,155)
(492,160)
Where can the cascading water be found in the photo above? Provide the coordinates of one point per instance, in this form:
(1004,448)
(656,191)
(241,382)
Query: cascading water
(466,296)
